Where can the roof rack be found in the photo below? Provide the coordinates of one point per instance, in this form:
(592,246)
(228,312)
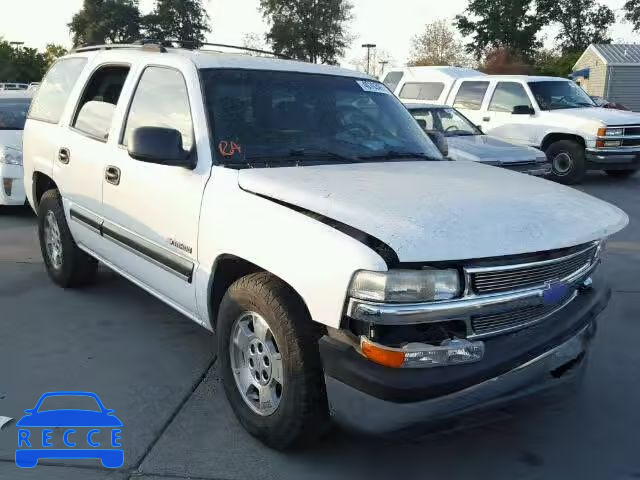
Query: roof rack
(145,44)
(155,45)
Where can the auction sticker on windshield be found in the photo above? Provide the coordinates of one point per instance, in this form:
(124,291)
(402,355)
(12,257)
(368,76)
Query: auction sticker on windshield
(374,87)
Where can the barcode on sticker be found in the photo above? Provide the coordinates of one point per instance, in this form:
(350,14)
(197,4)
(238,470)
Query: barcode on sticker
(374,87)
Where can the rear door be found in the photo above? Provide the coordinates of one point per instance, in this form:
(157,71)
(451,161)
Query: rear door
(84,151)
(152,211)
(469,97)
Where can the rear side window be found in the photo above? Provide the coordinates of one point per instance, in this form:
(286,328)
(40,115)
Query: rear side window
(508,95)
(470,95)
(392,80)
(161,100)
(422,91)
(97,105)
(56,87)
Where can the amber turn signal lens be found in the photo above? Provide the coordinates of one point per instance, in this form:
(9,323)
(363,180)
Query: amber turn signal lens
(602,132)
(381,356)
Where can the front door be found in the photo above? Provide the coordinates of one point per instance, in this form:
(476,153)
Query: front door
(499,118)
(152,211)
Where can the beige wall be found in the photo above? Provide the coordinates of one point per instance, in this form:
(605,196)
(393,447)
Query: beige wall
(595,84)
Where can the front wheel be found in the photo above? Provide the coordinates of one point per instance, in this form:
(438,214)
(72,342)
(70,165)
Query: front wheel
(567,159)
(620,173)
(270,364)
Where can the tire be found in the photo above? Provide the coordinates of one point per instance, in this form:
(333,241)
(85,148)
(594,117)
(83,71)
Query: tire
(300,414)
(72,267)
(620,173)
(567,159)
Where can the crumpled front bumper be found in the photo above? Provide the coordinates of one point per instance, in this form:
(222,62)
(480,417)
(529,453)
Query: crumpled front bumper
(372,399)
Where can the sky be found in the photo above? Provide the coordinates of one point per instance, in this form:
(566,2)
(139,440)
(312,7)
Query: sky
(389,24)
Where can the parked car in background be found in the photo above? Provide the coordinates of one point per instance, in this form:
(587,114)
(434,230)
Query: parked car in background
(13,86)
(348,269)
(13,114)
(549,113)
(467,142)
(604,103)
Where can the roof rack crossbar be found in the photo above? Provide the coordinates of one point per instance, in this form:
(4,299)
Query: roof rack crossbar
(225,45)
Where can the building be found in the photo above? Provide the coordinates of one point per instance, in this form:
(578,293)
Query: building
(612,72)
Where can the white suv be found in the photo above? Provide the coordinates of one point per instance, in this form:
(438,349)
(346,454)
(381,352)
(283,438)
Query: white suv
(298,210)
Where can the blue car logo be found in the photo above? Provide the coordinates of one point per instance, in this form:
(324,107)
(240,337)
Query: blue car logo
(79,433)
(556,293)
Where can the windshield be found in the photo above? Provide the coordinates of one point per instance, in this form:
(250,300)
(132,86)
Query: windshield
(275,118)
(13,113)
(446,120)
(558,95)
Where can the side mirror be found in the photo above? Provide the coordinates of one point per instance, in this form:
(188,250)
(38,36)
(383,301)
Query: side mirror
(440,141)
(479,127)
(523,110)
(159,145)
(95,119)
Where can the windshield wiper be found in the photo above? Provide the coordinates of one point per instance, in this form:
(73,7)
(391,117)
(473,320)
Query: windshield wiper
(297,156)
(394,155)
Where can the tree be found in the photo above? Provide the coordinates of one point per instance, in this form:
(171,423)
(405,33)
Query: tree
(106,21)
(311,30)
(582,22)
(553,64)
(52,52)
(509,24)
(378,62)
(437,45)
(186,21)
(20,64)
(502,61)
(632,13)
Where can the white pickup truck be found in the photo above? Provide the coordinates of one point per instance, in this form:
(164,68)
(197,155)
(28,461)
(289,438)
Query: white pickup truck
(549,113)
(299,211)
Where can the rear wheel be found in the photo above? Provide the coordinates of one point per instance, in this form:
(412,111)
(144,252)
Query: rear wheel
(620,173)
(270,364)
(567,161)
(66,264)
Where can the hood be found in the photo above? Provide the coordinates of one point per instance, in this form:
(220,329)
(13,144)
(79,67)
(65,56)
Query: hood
(11,138)
(437,211)
(483,148)
(604,116)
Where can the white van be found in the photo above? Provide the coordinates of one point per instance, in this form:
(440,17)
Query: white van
(550,113)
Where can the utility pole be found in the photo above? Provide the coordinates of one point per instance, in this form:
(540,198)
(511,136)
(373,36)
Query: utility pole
(369,46)
(383,63)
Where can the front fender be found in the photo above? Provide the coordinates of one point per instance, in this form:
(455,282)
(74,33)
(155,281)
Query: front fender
(316,260)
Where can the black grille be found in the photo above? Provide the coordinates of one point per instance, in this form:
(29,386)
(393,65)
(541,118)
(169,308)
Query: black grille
(488,324)
(632,131)
(530,275)
(631,143)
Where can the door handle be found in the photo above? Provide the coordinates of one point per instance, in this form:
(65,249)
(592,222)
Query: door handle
(112,175)
(486,119)
(64,155)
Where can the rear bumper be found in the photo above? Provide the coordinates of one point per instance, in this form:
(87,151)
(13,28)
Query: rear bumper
(619,159)
(376,400)
(11,185)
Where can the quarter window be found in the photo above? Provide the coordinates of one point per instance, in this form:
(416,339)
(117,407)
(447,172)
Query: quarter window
(56,87)
(161,100)
(97,105)
(392,80)
(508,95)
(470,95)
(422,91)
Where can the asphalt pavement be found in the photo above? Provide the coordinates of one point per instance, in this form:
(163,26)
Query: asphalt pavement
(157,370)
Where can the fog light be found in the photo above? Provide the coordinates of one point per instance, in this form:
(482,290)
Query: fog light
(8,184)
(422,355)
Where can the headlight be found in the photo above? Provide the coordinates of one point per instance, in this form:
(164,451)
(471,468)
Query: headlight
(10,156)
(406,286)
(610,132)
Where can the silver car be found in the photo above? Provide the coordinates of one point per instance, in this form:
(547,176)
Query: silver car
(467,142)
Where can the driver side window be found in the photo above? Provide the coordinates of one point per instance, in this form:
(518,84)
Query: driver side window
(508,95)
